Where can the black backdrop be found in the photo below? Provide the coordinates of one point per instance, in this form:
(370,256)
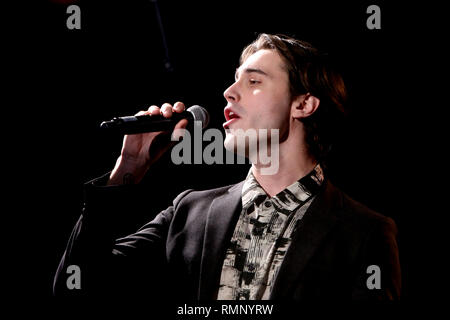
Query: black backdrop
(71,80)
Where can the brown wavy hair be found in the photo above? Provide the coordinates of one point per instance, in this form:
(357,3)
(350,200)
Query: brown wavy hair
(310,71)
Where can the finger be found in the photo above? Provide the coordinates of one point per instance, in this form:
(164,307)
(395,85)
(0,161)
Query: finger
(179,106)
(182,124)
(177,131)
(166,110)
(154,110)
(141,113)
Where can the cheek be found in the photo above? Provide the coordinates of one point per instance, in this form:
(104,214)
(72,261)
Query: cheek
(268,108)
(275,98)
(274,115)
(257,92)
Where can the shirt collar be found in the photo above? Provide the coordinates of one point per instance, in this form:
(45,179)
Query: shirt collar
(290,198)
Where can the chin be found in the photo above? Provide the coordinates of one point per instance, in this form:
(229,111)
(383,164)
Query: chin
(237,146)
(230,142)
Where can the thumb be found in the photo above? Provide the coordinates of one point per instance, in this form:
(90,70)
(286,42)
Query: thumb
(165,140)
(179,130)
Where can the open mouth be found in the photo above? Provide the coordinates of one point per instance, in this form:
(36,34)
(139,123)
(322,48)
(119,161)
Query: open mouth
(230,117)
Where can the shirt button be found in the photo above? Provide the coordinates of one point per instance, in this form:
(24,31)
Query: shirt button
(267,204)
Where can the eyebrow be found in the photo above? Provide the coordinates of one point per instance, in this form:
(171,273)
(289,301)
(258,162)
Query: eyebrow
(250,70)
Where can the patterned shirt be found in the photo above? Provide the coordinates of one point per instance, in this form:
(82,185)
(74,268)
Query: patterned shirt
(262,236)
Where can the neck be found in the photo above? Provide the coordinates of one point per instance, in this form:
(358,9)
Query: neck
(292,167)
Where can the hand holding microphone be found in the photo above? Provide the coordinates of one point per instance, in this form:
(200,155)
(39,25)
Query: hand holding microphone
(156,122)
(148,137)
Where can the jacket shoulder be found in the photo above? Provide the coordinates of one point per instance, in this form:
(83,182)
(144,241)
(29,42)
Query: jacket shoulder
(363,215)
(192,195)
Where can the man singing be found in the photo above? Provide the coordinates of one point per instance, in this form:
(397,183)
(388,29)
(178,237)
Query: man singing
(288,235)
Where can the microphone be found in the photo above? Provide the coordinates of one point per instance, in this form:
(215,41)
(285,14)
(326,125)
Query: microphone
(148,123)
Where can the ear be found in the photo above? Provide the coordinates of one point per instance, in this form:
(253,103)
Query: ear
(304,105)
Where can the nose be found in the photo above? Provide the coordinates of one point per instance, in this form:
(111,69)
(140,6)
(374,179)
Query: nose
(231,94)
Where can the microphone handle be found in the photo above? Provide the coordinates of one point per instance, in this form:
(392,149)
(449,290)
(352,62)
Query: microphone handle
(145,123)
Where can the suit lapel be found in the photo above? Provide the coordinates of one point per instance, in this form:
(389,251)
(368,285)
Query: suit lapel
(317,222)
(220,222)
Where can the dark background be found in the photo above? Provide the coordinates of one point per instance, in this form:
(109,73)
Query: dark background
(71,80)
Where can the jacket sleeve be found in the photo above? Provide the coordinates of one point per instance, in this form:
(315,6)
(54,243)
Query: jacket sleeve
(109,264)
(379,277)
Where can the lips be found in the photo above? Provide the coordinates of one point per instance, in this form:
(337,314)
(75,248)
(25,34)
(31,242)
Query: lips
(230,116)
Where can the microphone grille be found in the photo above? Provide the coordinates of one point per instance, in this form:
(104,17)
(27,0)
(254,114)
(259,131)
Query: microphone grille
(200,114)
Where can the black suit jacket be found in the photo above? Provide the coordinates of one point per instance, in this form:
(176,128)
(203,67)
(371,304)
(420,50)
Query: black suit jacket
(179,254)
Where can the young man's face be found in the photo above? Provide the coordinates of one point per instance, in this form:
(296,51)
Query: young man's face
(260,97)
